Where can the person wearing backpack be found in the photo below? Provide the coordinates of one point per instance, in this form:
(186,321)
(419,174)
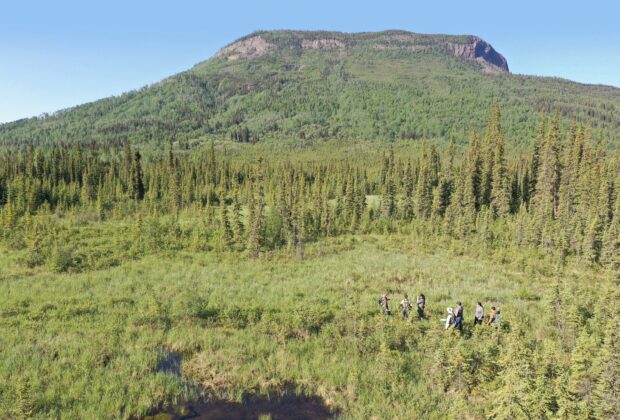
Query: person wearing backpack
(492,316)
(421,301)
(384,304)
(449,321)
(458,316)
(496,319)
(405,306)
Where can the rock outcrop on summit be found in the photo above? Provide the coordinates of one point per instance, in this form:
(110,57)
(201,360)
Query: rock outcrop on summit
(310,85)
(481,51)
(466,47)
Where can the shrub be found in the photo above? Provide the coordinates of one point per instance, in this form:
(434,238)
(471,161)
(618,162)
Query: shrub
(60,259)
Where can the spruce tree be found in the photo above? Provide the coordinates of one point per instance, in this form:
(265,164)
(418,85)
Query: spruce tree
(136,191)
(424,193)
(388,191)
(491,135)
(255,235)
(126,159)
(593,240)
(512,397)
(539,145)
(85,192)
(581,379)
(237,224)
(610,247)
(226,230)
(606,395)
(407,194)
(500,187)
(546,197)
(174,185)
(327,215)
(300,226)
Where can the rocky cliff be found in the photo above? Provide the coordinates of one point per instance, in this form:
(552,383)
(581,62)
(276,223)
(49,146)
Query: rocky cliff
(260,44)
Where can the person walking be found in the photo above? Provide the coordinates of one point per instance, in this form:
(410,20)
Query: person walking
(492,316)
(449,321)
(479,317)
(421,302)
(384,300)
(405,306)
(458,316)
(496,319)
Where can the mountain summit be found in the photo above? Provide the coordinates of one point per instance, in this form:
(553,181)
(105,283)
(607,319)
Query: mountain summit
(309,85)
(260,44)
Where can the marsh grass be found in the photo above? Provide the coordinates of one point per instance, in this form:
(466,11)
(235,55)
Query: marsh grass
(89,344)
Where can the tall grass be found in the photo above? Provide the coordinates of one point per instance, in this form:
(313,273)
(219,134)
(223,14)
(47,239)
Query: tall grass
(89,345)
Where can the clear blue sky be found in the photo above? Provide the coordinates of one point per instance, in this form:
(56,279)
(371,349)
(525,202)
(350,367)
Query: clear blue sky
(56,54)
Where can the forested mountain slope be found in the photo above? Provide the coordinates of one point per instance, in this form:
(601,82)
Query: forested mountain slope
(330,85)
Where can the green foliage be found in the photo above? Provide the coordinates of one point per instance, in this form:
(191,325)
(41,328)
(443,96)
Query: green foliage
(376,88)
(249,326)
(60,258)
(263,272)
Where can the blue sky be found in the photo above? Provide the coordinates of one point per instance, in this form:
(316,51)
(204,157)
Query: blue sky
(56,54)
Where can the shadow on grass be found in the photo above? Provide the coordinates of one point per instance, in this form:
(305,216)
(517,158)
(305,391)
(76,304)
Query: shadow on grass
(169,362)
(286,407)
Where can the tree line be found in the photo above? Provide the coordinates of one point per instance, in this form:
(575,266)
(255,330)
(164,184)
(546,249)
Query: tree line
(560,197)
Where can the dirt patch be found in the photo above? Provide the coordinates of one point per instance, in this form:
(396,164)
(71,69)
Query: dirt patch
(283,408)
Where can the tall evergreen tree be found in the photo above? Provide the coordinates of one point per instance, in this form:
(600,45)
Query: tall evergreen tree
(539,144)
(424,192)
(546,197)
(606,398)
(137,183)
(407,194)
(226,230)
(491,135)
(255,235)
(500,185)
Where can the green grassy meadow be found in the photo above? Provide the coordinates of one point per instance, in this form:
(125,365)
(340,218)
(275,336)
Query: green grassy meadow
(92,344)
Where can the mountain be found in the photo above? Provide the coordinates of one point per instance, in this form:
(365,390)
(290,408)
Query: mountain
(274,85)
(269,43)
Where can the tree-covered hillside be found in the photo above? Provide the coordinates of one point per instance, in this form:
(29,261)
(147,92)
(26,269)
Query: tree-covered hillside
(133,285)
(324,85)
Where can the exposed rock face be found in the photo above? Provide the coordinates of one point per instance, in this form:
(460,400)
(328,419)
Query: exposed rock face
(466,47)
(479,50)
(253,47)
(322,44)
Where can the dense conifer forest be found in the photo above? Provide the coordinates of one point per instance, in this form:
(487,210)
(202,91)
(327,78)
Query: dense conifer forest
(220,239)
(550,218)
(559,197)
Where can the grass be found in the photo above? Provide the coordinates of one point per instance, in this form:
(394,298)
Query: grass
(90,344)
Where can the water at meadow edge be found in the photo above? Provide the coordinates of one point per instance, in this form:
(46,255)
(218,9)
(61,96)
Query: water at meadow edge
(289,406)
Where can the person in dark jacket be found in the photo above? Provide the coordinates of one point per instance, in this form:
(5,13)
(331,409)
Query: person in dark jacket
(458,316)
(421,302)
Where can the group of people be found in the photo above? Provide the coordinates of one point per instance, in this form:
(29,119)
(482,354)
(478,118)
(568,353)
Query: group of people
(405,305)
(455,315)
